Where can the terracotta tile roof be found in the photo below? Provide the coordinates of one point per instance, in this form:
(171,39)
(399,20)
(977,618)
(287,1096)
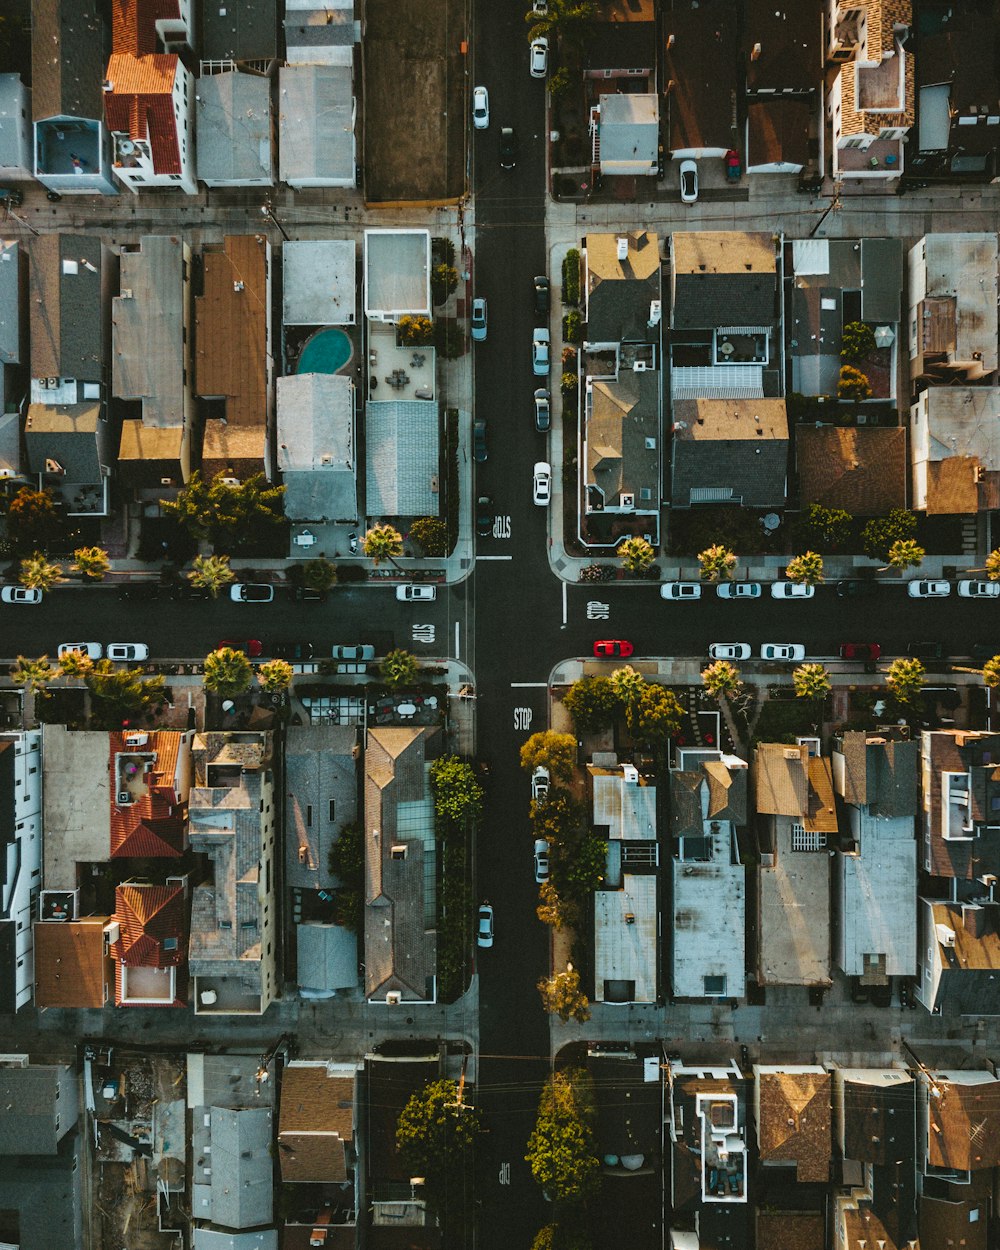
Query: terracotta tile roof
(316,1125)
(963,1129)
(140,104)
(795,1122)
(71,969)
(147,915)
(154,825)
(860,470)
(133,23)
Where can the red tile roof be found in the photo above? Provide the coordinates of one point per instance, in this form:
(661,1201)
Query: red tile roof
(133,23)
(154,825)
(140,104)
(147,915)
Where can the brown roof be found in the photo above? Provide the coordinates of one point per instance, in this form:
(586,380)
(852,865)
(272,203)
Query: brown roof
(152,824)
(862,1228)
(783,45)
(787,782)
(71,968)
(961,751)
(316,1124)
(778,130)
(971,951)
(701,73)
(133,23)
(702,420)
(953,485)
(860,470)
(946,1224)
(237,451)
(963,1129)
(795,1122)
(790,1230)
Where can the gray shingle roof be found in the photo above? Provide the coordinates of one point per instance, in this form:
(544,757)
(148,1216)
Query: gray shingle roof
(326,957)
(238,30)
(705,300)
(316,447)
(67,58)
(28,1109)
(242,1181)
(625,414)
(233,121)
(402,452)
(319,771)
(68,317)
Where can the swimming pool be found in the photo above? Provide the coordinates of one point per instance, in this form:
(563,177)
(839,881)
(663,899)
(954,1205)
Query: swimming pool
(326,352)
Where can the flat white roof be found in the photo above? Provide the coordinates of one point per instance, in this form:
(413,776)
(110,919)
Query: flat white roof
(319,284)
(626,808)
(397,273)
(626,951)
(709,927)
(878,900)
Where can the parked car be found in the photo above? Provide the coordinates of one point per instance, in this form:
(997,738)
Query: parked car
(138,592)
(292,650)
(92,650)
(253,648)
(689,182)
(540,783)
(480,108)
(484,516)
(860,650)
(738,590)
(479,452)
(508,147)
(613,648)
(978,590)
(413,593)
(856,590)
(20,594)
(541,861)
(478,322)
(362,652)
(306,594)
(251,592)
(676,591)
(484,927)
(729,651)
(540,288)
(127,651)
(928,589)
(791,652)
(925,650)
(791,590)
(542,484)
(540,352)
(539,58)
(543,410)
(185,591)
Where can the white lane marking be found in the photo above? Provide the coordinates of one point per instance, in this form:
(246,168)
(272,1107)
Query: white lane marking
(528,685)
(458,644)
(564,602)
(494,557)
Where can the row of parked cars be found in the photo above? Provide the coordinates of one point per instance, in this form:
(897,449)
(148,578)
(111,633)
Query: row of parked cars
(916,589)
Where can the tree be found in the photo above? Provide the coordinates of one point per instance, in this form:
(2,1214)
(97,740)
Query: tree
(319,574)
(416,331)
(993,565)
(857,341)
(399,668)
(905,678)
(906,553)
(227,673)
(570,20)
(432,535)
(563,1236)
(567,384)
(853,384)
(563,997)
(554,910)
(223,514)
(347,862)
(76,664)
(458,796)
(383,542)
(123,692)
(211,573)
(39,573)
(92,563)
(811,681)
(806,568)
(560,82)
(991,673)
(275,676)
(636,554)
(592,702)
(718,563)
(722,680)
(580,865)
(33,675)
(436,1132)
(444,280)
(628,684)
(655,717)
(880,533)
(561,1149)
(826,528)
(554,751)
(561,820)
(32,519)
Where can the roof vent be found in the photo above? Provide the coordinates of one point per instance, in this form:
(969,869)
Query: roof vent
(945,934)
(393,998)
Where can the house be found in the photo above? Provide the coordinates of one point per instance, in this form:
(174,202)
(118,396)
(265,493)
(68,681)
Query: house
(953,309)
(397,274)
(232,819)
(398,1211)
(626,910)
(402,471)
(150,951)
(729,451)
(626,134)
(954,449)
(152,364)
(73,965)
(234,366)
(244,32)
(149,780)
(15,128)
(875,867)
(701,77)
(72,145)
(13,352)
(796,815)
(39,1105)
(317,1123)
(959,945)
(958,1127)
(317,456)
(955,1221)
(792,1111)
(20,863)
(783,56)
(235,1190)
(316,126)
(234,130)
(861,469)
(870,103)
(76,806)
(400,847)
(960,799)
(320,34)
(620,99)
(708,806)
(319,282)
(326,958)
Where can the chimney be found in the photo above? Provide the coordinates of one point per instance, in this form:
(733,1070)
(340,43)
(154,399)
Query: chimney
(975,919)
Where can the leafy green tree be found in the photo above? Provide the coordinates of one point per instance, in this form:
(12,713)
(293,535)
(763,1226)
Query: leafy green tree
(991,673)
(592,702)
(211,573)
(718,563)
(811,681)
(853,384)
(122,692)
(655,717)
(415,331)
(75,664)
(566,1235)
(567,384)
(275,676)
(906,553)
(432,535)
(561,820)
(458,796)
(32,674)
(559,82)
(228,673)
(226,515)
(92,563)
(827,528)
(562,1150)
(347,862)
(722,679)
(857,341)
(636,554)
(993,565)
(551,750)
(806,568)
(570,20)
(383,542)
(444,280)
(40,573)
(578,869)
(319,574)
(627,684)
(905,678)
(880,533)
(399,668)
(563,996)
(32,519)
(436,1134)
(554,910)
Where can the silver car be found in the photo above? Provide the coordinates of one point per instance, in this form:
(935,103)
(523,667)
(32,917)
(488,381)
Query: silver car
(126,651)
(738,590)
(729,651)
(541,861)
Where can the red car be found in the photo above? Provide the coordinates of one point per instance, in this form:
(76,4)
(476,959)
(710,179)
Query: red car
(613,649)
(253,647)
(860,650)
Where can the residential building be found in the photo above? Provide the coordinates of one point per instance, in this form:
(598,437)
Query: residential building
(234,130)
(959,946)
(76,808)
(397,274)
(316,126)
(150,782)
(875,867)
(317,1125)
(15,128)
(72,145)
(783,58)
(232,819)
(317,456)
(39,1105)
(150,949)
(620,98)
(402,452)
(958,1132)
(730,451)
(960,799)
(701,77)
(796,816)
(20,863)
(394,1203)
(625,131)
(400,851)
(244,33)
(626,910)
(234,365)
(708,807)
(13,353)
(73,965)
(792,1111)
(861,469)
(320,34)
(319,282)
(955,450)
(953,309)
(870,104)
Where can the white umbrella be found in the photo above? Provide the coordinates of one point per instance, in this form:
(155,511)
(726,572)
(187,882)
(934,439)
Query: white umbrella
(884,336)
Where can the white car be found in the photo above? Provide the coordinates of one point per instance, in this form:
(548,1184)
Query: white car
(416,594)
(738,590)
(540,352)
(539,63)
(127,651)
(251,592)
(689,182)
(793,651)
(480,108)
(791,590)
(729,651)
(92,650)
(478,325)
(20,594)
(484,926)
(362,652)
(540,784)
(680,590)
(978,590)
(928,590)
(541,861)
(542,484)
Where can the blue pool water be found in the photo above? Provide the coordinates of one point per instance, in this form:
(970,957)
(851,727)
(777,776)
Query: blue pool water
(326,352)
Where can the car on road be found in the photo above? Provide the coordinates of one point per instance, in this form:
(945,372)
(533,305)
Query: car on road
(139,592)
(791,590)
(856,589)
(292,650)
(540,783)
(729,651)
(480,108)
(187,591)
(543,410)
(479,452)
(789,651)
(251,592)
(413,593)
(540,352)
(484,516)
(860,651)
(541,489)
(484,925)
(539,57)
(677,591)
(125,652)
(20,594)
(508,147)
(978,590)
(540,289)
(738,590)
(928,590)
(689,182)
(541,861)
(925,650)
(252,648)
(92,650)
(306,594)
(478,320)
(613,648)
(363,651)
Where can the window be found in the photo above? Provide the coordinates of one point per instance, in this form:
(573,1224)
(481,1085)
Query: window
(715,986)
(225,924)
(170,944)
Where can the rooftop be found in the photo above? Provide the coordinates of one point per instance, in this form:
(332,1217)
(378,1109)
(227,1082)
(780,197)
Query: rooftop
(67,59)
(240,30)
(954,278)
(619,293)
(878,771)
(790,782)
(140,104)
(624,808)
(862,470)
(963,1130)
(316,124)
(76,786)
(397,273)
(700,67)
(320,799)
(145,779)
(709,923)
(783,47)
(626,941)
(319,282)
(878,894)
(233,125)
(316,1127)
(794,912)
(402,445)
(962,853)
(778,131)
(71,967)
(955,448)
(794,1119)
(67,308)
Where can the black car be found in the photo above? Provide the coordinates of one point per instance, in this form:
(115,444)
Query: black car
(484,516)
(479,439)
(306,594)
(185,591)
(856,590)
(541,288)
(508,148)
(292,650)
(925,650)
(138,592)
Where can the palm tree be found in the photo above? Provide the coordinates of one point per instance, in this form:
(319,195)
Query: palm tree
(319,574)
(33,675)
(40,573)
(722,680)
(275,676)
(718,563)
(227,673)
(399,668)
(383,542)
(811,681)
(806,569)
(905,678)
(92,563)
(627,684)
(905,553)
(75,664)
(211,573)
(991,673)
(993,565)
(636,554)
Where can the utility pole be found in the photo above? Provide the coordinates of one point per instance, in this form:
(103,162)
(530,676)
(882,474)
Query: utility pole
(834,206)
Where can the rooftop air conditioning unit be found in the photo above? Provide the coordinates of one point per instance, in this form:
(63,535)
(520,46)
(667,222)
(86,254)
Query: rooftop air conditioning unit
(622,246)
(791,754)
(655,312)
(628,501)
(126,292)
(630,774)
(53,383)
(166,481)
(230,481)
(945,934)
(630,917)
(640,366)
(126,147)
(394,997)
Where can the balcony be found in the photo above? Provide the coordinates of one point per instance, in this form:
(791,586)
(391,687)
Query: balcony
(58,140)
